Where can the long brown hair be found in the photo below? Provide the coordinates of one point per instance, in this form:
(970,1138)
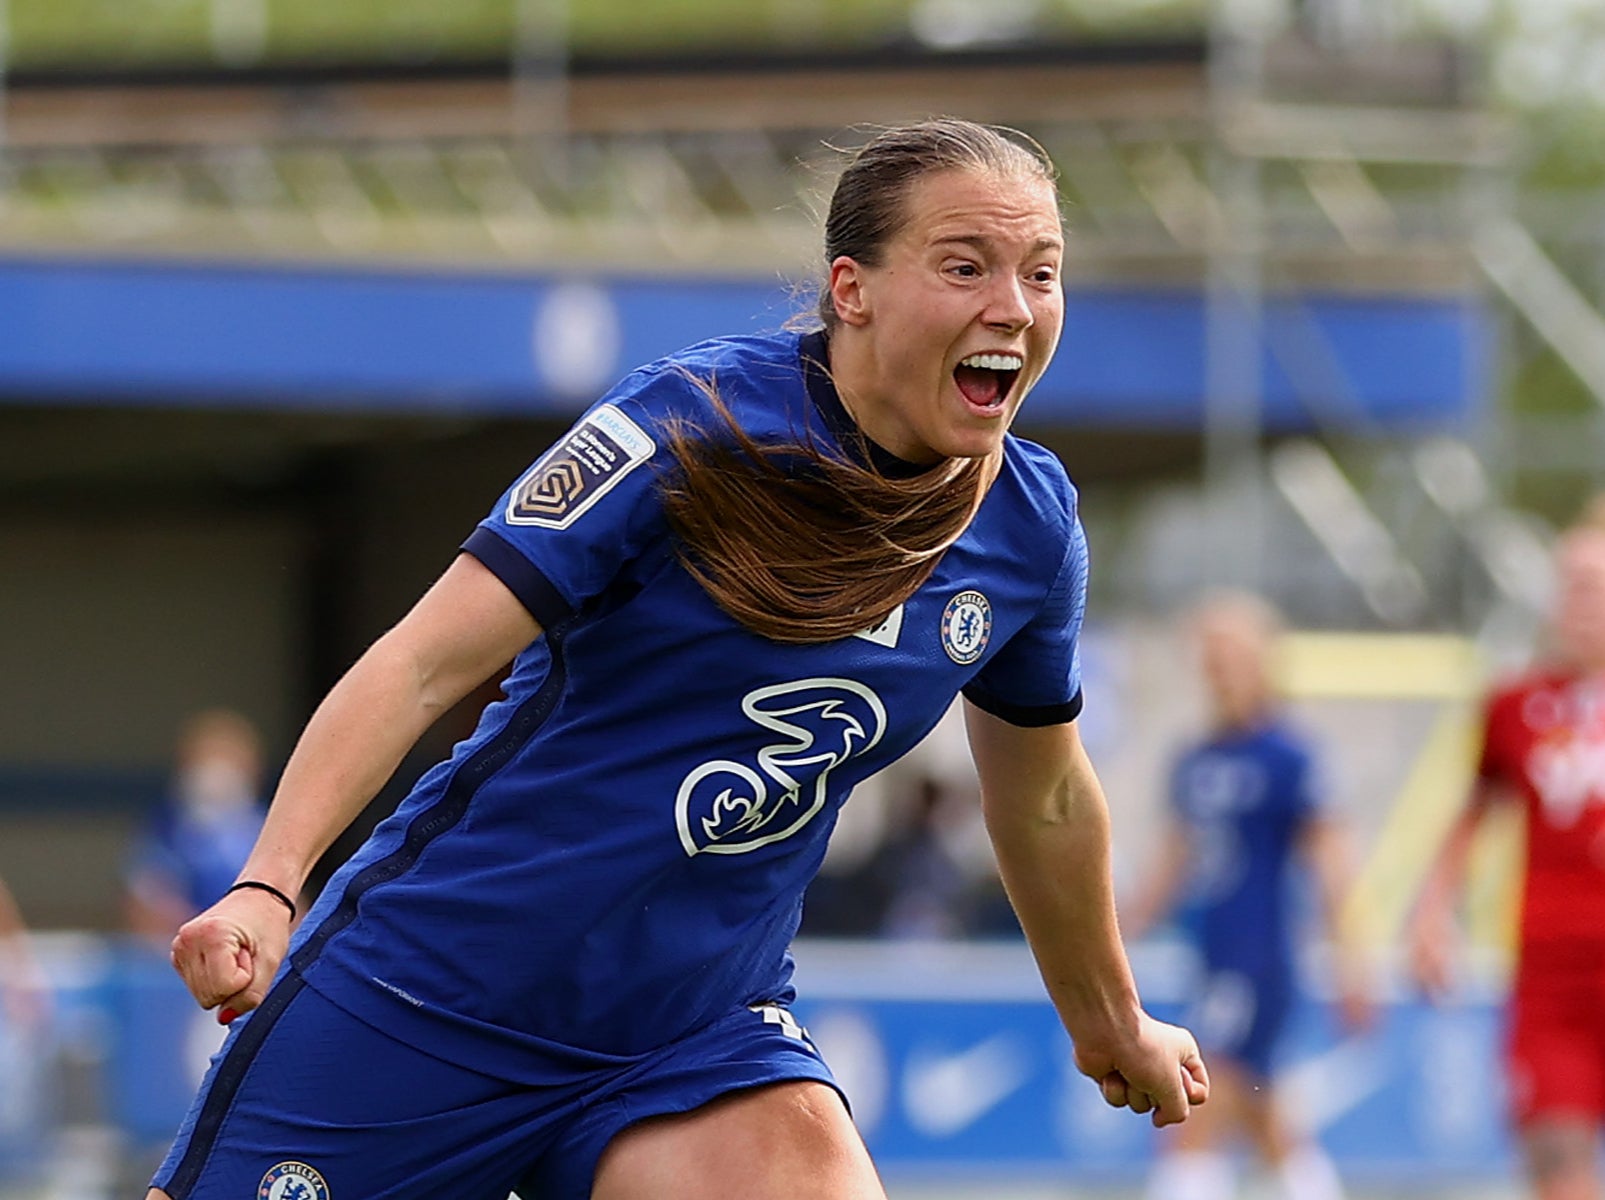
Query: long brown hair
(805,544)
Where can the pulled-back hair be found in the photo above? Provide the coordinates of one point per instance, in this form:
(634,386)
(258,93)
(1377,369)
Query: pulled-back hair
(870,202)
(806,544)
(800,543)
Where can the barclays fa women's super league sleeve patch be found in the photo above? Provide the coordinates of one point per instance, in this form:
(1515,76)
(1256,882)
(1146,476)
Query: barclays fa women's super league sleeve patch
(577,472)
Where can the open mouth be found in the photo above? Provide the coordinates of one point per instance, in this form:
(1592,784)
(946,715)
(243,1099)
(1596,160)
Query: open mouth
(985,380)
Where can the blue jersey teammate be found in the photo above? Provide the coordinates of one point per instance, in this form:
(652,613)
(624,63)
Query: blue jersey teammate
(754,573)
(1246,812)
(191,850)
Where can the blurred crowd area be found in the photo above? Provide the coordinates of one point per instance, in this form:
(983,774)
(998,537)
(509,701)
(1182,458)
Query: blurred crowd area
(289,291)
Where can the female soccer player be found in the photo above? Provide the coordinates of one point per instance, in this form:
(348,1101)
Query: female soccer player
(754,573)
(1247,811)
(189,852)
(1544,750)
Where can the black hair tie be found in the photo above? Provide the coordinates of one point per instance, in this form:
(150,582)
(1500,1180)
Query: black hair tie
(269,889)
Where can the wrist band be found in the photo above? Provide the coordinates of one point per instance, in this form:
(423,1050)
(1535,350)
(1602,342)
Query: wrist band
(269,889)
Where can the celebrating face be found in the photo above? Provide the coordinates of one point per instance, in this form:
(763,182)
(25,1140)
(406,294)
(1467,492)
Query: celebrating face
(939,342)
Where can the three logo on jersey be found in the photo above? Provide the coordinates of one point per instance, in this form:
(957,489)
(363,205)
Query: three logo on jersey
(727,807)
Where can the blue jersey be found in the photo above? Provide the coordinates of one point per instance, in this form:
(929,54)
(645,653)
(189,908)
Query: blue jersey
(194,855)
(617,855)
(1244,798)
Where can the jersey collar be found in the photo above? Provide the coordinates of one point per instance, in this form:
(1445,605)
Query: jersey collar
(814,352)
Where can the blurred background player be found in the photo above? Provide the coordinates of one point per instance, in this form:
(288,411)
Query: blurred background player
(24,997)
(192,847)
(1245,810)
(25,1006)
(1544,749)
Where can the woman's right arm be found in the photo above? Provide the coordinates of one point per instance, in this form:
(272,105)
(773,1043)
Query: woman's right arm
(466,627)
(1431,930)
(1049,823)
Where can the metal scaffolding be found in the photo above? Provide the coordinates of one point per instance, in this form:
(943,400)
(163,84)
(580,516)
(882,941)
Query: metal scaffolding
(1283,159)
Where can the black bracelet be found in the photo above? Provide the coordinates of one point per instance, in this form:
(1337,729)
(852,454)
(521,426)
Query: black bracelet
(269,889)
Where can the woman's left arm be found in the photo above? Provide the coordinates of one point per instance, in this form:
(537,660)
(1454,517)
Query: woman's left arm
(1049,824)
(1325,846)
(24,992)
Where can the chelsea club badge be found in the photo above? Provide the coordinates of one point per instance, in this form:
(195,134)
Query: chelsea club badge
(966,627)
(292,1181)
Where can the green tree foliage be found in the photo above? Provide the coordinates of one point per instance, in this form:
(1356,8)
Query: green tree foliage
(63,34)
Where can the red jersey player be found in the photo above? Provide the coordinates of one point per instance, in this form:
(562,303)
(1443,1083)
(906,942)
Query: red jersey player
(1544,748)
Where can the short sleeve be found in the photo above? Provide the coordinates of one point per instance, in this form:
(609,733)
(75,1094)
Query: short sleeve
(1310,788)
(1497,759)
(565,529)
(1035,677)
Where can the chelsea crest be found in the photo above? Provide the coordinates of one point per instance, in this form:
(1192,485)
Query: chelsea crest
(292,1181)
(966,627)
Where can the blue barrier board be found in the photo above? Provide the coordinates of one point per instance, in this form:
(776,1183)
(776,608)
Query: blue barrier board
(178,335)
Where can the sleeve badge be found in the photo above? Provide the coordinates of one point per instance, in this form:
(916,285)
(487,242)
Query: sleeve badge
(577,472)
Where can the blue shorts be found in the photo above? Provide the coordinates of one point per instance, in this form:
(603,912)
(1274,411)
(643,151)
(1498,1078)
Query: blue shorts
(306,1102)
(1240,1017)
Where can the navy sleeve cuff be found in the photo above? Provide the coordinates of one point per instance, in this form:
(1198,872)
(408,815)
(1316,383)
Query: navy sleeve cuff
(1028,716)
(522,577)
